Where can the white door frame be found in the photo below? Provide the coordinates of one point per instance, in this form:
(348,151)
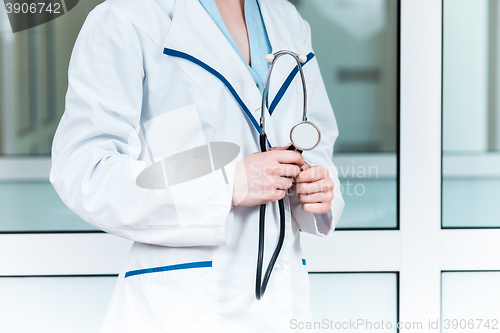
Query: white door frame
(420,250)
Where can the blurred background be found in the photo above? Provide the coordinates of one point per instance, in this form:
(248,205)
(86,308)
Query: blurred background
(471,114)
(357,46)
(356,43)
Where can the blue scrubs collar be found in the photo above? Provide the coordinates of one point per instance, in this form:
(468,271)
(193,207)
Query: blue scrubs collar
(257,35)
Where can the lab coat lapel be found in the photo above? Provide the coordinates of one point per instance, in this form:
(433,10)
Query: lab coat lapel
(195,37)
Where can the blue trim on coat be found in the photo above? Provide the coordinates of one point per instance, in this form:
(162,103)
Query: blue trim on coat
(286,84)
(303,262)
(179,54)
(188,265)
(276,100)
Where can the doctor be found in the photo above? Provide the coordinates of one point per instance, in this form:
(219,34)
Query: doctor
(155,78)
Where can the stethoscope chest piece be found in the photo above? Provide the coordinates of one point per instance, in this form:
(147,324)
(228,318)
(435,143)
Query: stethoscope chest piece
(305,136)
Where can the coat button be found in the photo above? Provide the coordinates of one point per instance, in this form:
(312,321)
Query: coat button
(278,268)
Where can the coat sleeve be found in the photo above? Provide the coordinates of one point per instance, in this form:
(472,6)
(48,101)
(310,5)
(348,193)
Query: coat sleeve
(319,112)
(96,147)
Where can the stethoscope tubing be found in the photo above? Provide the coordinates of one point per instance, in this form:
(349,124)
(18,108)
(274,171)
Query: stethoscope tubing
(263,107)
(261,284)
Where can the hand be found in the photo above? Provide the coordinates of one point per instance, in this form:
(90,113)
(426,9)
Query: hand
(264,177)
(315,189)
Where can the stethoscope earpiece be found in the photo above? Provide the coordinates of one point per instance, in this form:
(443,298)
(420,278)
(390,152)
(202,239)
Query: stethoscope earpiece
(270,57)
(302,58)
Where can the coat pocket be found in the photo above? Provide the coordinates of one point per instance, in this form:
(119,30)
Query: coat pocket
(171,298)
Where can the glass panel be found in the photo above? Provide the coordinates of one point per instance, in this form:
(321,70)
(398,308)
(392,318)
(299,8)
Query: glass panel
(54,304)
(33,80)
(357,49)
(470,301)
(367,299)
(461,209)
(471,113)
(33,84)
(35,206)
(356,43)
(369,188)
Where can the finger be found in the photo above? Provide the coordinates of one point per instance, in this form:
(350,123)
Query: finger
(282,170)
(280,194)
(289,170)
(289,157)
(305,167)
(322,185)
(275,195)
(317,208)
(316,197)
(312,174)
(283,183)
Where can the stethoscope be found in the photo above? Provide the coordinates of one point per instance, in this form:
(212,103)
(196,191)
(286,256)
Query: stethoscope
(304,136)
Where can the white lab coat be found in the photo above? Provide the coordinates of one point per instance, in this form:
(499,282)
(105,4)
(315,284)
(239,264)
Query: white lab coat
(135,62)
